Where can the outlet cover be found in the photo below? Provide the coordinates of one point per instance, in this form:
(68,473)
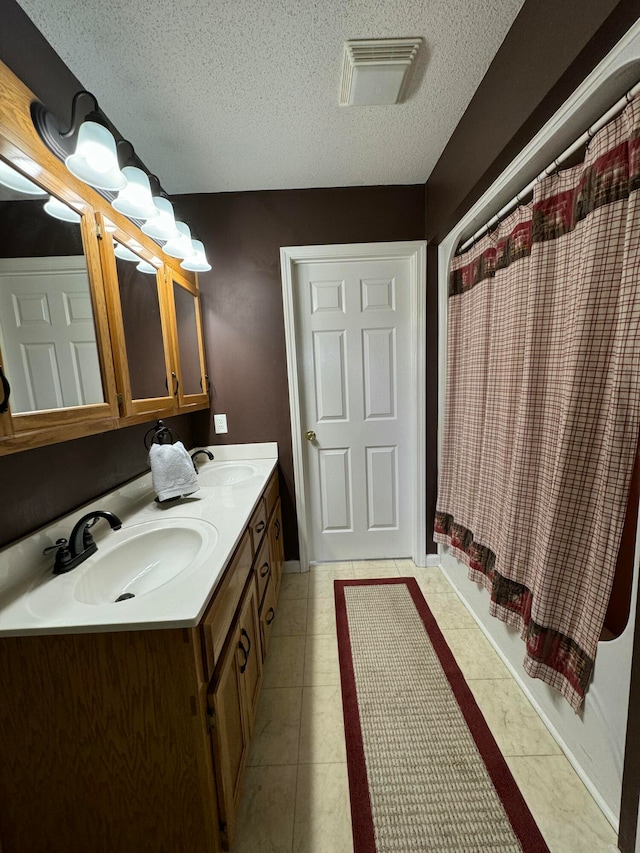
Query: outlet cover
(220,423)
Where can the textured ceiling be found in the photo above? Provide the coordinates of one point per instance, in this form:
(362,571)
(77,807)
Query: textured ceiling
(243,95)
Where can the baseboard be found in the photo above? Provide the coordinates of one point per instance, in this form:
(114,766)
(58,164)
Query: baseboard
(291,567)
(433,560)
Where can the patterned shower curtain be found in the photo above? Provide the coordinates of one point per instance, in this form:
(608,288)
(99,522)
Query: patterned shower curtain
(543,405)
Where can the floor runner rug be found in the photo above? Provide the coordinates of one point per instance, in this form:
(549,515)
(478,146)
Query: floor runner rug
(425,773)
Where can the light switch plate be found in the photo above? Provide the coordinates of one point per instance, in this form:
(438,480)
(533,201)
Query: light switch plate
(220,423)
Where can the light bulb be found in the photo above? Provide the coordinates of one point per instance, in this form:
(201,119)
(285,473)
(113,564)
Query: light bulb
(135,199)
(125,254)
(15,181)
(95,160)
(197,260)
(59,210)
(162,226)
(179,247)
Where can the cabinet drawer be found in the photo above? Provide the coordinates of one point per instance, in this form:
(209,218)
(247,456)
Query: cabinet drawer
(216,622)
(263,568)
(271,493)
(258,525)
(267,615)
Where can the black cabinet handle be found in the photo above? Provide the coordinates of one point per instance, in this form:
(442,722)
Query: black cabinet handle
(244,634)
(277,526)
(177,384)
(6,391)
(260,527)
(243,665)
(207,384)
(270,616)
(264,570)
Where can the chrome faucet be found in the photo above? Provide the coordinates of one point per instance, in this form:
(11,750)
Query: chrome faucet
(207,453)
(70,554)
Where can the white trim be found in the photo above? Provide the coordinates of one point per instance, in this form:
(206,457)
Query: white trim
(433,560)
(416,252)
(291,567)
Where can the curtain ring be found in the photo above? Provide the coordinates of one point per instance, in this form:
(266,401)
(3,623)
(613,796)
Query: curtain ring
(590,133)
(628,96)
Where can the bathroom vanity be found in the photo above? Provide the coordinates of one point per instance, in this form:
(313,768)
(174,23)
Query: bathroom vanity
(125,726)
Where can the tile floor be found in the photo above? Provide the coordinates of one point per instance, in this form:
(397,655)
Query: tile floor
(296,794)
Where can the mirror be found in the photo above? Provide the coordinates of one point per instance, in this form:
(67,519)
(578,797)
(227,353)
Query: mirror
(142,321)
(188,340)
(47,328)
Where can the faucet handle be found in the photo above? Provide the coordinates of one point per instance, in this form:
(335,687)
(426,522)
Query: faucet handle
(63,555)
(60,543)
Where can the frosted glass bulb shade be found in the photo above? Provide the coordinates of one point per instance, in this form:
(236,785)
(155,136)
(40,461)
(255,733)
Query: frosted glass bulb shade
(59,210)
(95,160)
(15,181)
(180,247)
(125,254)
(162,226)
(135,199)
(197,260)
(146,267)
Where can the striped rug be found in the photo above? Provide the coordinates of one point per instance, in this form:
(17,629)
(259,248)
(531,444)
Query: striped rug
(425,773)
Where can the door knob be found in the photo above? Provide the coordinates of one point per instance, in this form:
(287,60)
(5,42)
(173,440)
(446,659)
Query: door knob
(310,435)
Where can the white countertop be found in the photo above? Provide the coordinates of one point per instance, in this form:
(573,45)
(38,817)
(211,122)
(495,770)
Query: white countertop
(34,601)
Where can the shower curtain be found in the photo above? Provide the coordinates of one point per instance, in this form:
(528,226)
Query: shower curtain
(543,405)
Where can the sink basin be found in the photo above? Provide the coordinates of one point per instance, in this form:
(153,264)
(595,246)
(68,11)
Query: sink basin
(142,558)
(225,473)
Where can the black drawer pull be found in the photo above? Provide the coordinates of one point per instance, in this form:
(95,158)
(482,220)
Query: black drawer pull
(260,527)
(243,665)
(270,616)
(264,570)
(244,634)
(6,390)
(277,526)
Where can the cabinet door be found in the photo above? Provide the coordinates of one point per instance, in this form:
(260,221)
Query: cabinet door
(141,327)
(251,664)
(188,341)
(229,734)
(276,546)
(267,615)
(262,565)
(54,338)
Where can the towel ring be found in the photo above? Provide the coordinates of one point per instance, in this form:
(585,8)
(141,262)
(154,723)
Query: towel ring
(159,434)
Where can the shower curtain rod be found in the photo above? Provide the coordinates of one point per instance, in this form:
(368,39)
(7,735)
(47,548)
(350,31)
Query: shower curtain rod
(586,136)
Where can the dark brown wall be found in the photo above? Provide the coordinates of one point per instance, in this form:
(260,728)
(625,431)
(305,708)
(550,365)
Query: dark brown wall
(242,295)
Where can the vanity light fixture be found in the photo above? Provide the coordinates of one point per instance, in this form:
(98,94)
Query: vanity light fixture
(162,226)
(197,260)
(135,199)
(146,267)
(13,180)
(91,153)
(180,247)
(59,210)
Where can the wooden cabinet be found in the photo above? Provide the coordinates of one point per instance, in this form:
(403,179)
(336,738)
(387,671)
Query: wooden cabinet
(99,341)
(138,740)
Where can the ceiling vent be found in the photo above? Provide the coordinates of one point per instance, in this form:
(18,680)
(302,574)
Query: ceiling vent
(374,70)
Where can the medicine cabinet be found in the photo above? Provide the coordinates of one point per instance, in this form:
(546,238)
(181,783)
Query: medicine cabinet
(98,328)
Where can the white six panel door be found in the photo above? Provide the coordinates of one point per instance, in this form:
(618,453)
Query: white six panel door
(48,333)
(353,322)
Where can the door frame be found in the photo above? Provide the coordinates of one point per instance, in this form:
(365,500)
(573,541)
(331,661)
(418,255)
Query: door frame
(415,251)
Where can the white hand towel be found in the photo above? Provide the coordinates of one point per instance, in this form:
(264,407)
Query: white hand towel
(172,471)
